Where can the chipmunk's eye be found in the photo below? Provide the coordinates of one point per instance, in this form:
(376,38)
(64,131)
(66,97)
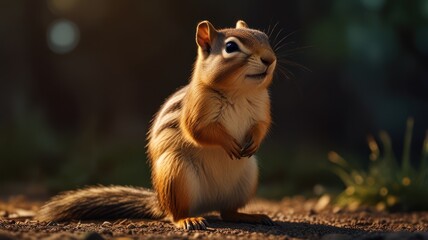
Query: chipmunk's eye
(231,47)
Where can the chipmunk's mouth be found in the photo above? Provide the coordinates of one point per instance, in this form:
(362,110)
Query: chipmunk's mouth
(257,76)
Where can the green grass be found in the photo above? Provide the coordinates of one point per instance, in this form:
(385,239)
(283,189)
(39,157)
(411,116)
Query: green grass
(387,184)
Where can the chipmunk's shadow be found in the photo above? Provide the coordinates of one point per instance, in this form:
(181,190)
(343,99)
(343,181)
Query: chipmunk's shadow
(292,229)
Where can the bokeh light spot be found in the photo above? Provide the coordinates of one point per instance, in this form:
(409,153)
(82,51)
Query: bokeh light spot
(63,36)
(406,181)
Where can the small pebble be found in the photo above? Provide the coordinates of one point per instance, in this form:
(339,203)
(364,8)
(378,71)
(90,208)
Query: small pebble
(106,224)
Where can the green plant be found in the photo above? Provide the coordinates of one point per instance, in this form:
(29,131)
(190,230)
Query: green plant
(385,184)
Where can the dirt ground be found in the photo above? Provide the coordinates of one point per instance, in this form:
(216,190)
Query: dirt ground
(295,218)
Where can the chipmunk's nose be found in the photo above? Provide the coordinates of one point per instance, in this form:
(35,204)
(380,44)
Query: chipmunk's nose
(267,60)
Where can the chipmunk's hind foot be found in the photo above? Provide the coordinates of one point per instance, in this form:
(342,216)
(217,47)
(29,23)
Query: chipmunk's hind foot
(192,223)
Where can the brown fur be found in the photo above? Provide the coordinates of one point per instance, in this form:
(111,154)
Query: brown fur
(200,143)
(101,202)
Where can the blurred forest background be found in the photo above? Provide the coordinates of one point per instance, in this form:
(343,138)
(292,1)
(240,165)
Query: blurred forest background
(80,81)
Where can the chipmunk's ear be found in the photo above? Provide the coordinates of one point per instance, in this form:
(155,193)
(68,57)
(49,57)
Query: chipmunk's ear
(205,34)
(241,24)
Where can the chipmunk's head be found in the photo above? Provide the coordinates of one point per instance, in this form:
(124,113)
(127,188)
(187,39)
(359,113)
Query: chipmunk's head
(234,58)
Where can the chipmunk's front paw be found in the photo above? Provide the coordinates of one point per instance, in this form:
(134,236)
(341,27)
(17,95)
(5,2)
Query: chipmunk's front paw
(249,148)
(192,223)
(233,149)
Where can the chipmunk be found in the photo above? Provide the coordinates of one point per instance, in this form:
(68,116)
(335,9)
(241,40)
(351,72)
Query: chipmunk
(201,142)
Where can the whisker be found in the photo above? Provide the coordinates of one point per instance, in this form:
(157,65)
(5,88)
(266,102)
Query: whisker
(269,27)
(286,36)
(283,45)
(286,73)
(273,29)
(291,33)
(274,40)
(295,64)
(278,43)
(290,72)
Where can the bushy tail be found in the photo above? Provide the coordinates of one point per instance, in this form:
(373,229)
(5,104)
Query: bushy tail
(101,202)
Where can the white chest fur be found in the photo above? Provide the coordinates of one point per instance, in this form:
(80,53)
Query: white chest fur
(241,112)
